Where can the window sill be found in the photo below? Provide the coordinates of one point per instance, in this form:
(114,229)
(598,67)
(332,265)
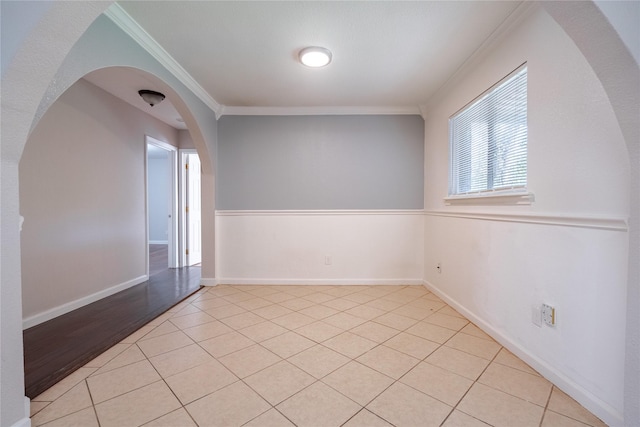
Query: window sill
(497,198)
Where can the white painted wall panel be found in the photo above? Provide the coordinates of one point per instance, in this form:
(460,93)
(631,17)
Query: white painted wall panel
(290,247)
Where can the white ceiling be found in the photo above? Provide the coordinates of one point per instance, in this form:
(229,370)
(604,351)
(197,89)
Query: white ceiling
(390,55)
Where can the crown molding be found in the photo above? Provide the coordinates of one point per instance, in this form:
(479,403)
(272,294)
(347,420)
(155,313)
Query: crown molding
(127,24)
(319,111)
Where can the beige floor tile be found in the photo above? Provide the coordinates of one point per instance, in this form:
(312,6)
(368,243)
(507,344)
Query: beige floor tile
(238,297)
(395,321)
(428,304)
(375,332)
(531,388)
(208,304)
(83,418)
(35,407)
(253,304)
(561,403)
(402,406)
(398,297)
(162,318)
(74,400)
(388,361)
(179,360)
(431,332)
(351,345)
(358,382)
(108,355)
(249,360)
(472,329)
(161,329)
(431,296)
(360,298)
(319,311)
(417,313)
(226,344)
(263,331)
(272,311)
(200,381)
(450,322)
(190,320)
(225,311)
(340,291)
(264,291)
(448,310)
(412,345)
(340,304)
(384,304)
(319,331)
(187,309)
(137,407)
(122,380)
(505,357)
(162,344)
(279,382)
(318,405)
(458,362)
(474,345)
(344,321)
(242,320)
(131,355)
(288,344)
(271,418)
(460,419)
(365,312)
(207,330)
(297,304)
(293,320)
(223,290)
(499,409)
(319,297)
(551,419)
(233,405)
(318,360)
(278,297)
(179,418)
(60,388)
(134,337)
(437,382)
(365,418)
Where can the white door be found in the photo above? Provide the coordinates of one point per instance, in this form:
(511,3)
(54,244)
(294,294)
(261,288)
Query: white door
(192,209)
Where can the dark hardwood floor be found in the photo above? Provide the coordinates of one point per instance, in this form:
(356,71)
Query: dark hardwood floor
(54,349)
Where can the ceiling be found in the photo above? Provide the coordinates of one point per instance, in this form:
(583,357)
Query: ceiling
(387,55)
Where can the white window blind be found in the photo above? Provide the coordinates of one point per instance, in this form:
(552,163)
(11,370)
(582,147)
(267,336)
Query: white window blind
(488,139)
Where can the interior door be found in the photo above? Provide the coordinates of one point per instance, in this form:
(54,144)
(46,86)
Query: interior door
(193,214)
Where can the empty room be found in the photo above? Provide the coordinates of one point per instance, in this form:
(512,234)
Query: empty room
(292,213)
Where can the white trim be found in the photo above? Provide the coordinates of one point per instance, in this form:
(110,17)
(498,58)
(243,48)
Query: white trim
(209,282)
(158,242)
(318,212)
(122,19)
(492,198)
(80,302)
(320,111)
(25,422)
(254,281)
(597,406)
(600,223)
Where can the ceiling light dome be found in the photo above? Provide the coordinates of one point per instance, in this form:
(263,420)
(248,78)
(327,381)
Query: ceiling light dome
(315,56)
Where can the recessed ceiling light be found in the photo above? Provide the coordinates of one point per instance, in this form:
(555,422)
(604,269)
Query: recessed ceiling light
(315,56)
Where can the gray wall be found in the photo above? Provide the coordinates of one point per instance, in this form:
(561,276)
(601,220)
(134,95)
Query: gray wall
(159,182)
(320,162)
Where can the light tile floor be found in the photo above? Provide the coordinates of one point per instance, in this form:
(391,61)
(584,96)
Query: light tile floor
(308,356)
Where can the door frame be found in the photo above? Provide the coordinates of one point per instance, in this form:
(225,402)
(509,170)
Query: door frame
(172,236)
(182,217)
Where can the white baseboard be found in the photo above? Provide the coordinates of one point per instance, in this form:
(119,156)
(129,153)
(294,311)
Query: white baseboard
(235,281)
(36,319)
(594,404)
(158,242)
(209,282)
(25,422)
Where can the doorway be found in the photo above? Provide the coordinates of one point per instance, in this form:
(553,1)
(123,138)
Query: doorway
(190,208)
(161,182)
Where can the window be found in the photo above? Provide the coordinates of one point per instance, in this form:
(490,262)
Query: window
(488,140)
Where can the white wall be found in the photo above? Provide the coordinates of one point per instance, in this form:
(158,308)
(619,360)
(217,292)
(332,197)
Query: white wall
(159,184)
(569,248)
(366,247)
(82,194)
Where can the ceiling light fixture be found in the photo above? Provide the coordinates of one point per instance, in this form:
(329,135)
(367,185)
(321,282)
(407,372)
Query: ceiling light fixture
(151,97)
(315,56)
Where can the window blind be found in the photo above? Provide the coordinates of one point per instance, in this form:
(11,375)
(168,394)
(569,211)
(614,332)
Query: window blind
(488,139)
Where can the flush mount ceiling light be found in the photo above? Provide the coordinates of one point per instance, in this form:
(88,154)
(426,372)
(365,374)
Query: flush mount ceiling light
(315,56)
(151,97)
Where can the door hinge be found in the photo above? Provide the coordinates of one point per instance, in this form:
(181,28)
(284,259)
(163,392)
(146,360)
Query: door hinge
(186,209)
(187,252)
(186,165)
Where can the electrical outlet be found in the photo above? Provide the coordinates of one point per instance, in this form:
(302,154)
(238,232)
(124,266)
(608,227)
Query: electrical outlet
(548,314)
(327,260)
(536,316)
(439,267)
